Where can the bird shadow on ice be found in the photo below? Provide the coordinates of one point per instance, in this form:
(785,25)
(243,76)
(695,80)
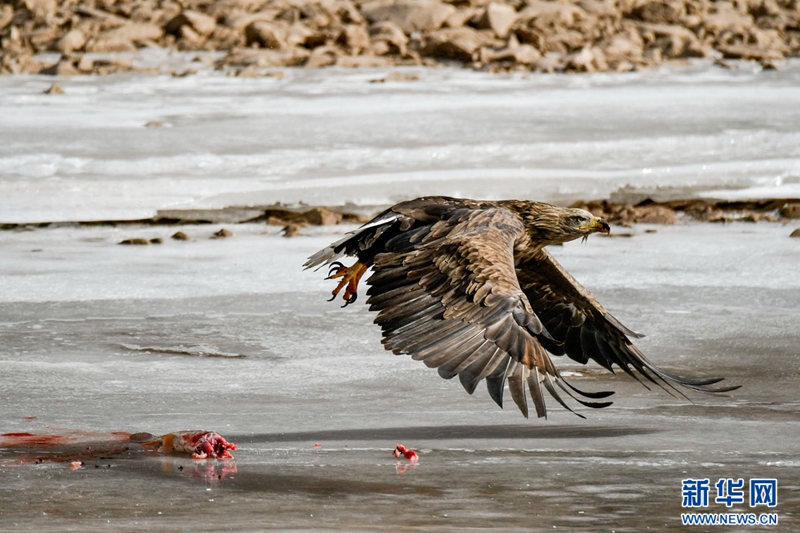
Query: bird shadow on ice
(451,432)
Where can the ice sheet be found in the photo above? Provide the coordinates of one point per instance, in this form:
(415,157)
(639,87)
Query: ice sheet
(101,338)
(331,137)
(231,335)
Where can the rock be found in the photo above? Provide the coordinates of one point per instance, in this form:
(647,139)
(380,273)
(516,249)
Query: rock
(454,43)
(291,230)
(790,210)
(363,61)
(707,213)
(6,15)
(300,35)
(204,60)
(520,54)
(41,9)
(655,214)
(391,34)
(54,89)
(499,18)
(267,58)
(277,34)
(349,13)
(62,68)
(246,72)
(747,51)
(355,38)
(771,39)
(317,216)
(767,65)
(124,38)
(154,124)
(136,32)
(380,48)
(71,41)
(109,65)
(726,19)
(201,23)
(616,235)
(396,76)
(795,233)
(239,20)
(136,241)
(542,14)
(623,48)
(624,214)
(226,215)
(409,15)
(322,56)
(247,5)
(550,63)
(275,221)
(85,64)
(601,8)
(588,60)
(222,234)
(356,218)
(572,35)
(525,54)
(755,217)
(253,72)
(660,11)
(322,216)
(673,41)
(157,240)
(462,16)
(42,38)
(180,236)
(267,34)
(190,38)
(22,64)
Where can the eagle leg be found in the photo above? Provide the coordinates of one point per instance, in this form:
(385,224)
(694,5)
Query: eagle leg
(350,278)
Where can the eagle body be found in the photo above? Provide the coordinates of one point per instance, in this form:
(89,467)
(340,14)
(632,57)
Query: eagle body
(468,288)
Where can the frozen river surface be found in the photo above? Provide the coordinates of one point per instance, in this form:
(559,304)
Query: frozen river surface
(99,338)
(230,335)
(331,137)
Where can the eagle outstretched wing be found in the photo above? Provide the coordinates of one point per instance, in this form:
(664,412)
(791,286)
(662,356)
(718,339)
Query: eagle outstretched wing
(447,293)
(584,330)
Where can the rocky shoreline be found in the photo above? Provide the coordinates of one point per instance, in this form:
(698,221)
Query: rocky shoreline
(294,218)
(500,35)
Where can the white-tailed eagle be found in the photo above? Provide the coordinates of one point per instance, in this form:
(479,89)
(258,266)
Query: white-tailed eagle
(467,287)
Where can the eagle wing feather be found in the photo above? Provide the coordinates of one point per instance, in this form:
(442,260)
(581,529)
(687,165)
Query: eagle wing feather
(447,293)
(585,330)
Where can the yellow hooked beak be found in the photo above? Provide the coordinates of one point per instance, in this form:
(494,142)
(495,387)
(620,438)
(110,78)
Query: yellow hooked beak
(597,224)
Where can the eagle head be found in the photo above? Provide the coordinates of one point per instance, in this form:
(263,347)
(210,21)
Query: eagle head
(555,225)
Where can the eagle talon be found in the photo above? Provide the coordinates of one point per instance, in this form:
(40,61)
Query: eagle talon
(350,278)
(336,268)
(348,300)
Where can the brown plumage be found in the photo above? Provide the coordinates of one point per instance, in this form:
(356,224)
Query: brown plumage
(467,287)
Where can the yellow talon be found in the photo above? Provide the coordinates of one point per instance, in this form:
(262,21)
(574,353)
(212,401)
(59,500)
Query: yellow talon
(350,278)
